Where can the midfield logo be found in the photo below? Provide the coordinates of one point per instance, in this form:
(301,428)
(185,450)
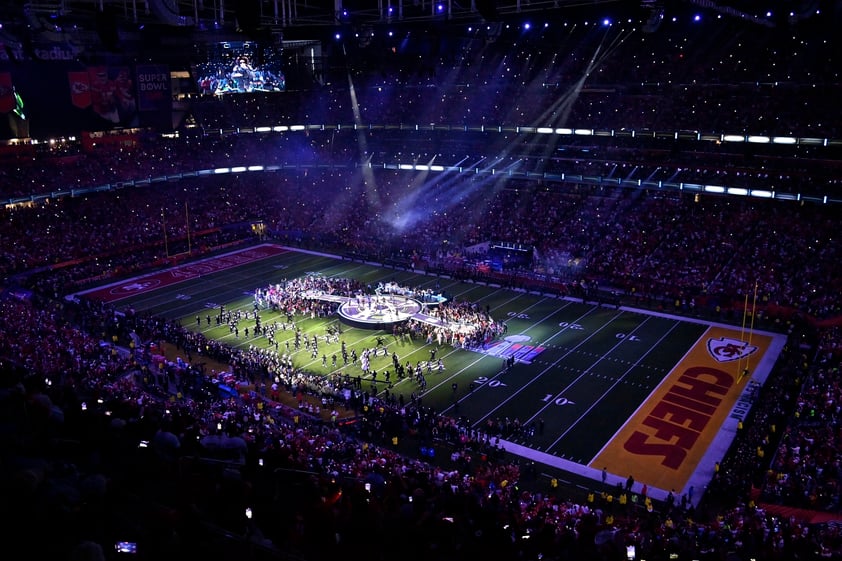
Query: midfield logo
(513,346)
(726,349)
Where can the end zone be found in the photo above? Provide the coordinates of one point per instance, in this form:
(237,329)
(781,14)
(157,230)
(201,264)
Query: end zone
(120,290)
(689,421)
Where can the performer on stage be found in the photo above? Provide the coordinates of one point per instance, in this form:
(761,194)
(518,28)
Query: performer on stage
(243,73)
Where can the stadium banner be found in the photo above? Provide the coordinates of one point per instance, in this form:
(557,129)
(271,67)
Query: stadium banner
(64,97)
(7,92)
(122,95)
(663,443)
(154,91)
(107,90)
(154,87)
(80,89)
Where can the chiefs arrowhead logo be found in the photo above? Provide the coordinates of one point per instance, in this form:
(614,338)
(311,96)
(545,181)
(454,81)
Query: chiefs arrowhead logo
(726,349)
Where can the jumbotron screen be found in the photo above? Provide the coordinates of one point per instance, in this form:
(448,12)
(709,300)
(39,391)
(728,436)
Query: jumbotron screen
(240,67)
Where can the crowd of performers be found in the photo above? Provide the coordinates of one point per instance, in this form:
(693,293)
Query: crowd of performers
(302,295)
(461,325)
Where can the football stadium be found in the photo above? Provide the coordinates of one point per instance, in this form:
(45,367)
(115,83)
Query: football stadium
(302,281)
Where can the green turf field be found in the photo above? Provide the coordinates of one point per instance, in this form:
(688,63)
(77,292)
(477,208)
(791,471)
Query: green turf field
(583,373)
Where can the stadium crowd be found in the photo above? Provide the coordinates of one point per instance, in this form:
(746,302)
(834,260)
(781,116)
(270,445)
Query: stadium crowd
(102,442)
(640,243)
(79,407)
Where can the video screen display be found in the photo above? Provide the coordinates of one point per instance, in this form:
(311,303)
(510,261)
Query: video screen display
(240,67)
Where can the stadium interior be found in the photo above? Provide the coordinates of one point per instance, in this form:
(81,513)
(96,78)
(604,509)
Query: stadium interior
(682,157)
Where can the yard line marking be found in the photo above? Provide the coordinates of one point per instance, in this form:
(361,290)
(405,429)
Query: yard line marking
(471,364)
(454,375)
(540,300)
(564,356)
(543,344)
(463,369)
(611,387)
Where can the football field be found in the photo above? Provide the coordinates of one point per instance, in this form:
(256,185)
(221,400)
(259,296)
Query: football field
(645,394)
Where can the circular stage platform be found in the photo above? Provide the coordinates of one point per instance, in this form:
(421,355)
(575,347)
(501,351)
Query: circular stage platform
(378,311)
